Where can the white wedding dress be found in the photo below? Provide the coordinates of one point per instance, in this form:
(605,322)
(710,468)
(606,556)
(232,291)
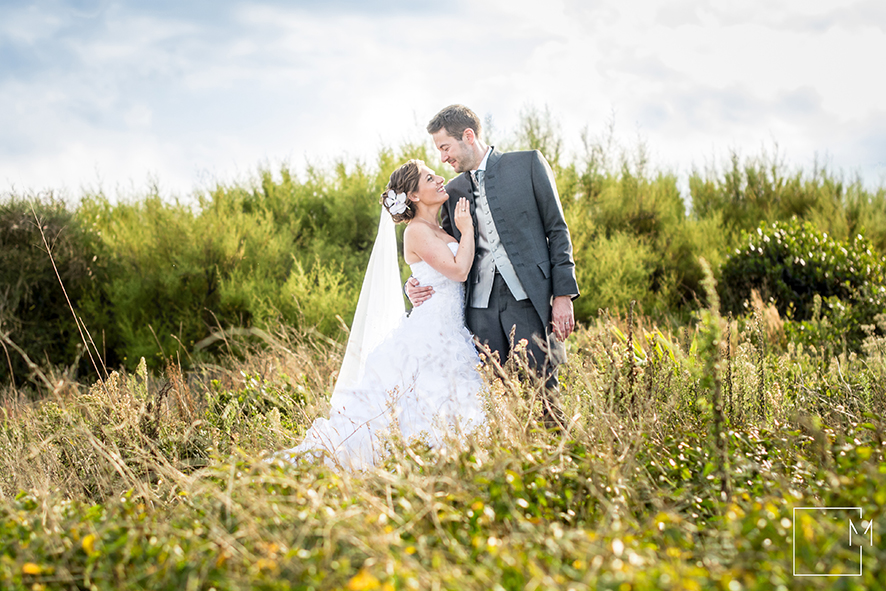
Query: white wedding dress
(422,379)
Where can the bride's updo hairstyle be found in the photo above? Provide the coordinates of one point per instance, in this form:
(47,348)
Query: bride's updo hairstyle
(395,197)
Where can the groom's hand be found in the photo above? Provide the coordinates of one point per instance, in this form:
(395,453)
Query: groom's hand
(416,292)
(562,317)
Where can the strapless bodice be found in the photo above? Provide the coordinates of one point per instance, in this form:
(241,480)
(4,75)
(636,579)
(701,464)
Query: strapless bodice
(448,298)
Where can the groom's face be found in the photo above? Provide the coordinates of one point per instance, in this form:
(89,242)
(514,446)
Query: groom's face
(456,152)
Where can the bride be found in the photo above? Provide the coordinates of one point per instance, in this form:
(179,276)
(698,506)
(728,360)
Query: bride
(421,378)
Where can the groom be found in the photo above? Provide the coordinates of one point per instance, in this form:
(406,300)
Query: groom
(523,276)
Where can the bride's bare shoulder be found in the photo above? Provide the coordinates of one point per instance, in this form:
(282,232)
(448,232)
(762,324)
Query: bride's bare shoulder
(415,239)
(418,232)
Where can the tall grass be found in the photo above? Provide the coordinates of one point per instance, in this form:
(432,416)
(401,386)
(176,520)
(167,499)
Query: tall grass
(162,481)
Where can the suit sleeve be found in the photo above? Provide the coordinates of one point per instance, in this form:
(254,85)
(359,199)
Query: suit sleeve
(559,243)
(446,211)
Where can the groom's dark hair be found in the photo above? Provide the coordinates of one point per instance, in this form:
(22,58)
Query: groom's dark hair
(455,119)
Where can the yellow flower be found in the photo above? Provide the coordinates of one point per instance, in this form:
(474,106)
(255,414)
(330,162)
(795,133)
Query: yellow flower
(89,544)
(29,568)
(363,580)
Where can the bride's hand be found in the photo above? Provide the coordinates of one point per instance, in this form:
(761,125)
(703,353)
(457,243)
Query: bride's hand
(463,220)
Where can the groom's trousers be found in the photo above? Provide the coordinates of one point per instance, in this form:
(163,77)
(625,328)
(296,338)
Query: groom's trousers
(492,327)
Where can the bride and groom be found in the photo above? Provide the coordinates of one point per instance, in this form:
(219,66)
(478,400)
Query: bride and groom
(499,260)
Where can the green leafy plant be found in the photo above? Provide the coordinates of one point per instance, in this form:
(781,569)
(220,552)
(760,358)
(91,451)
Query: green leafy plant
(34,311)
(792,263)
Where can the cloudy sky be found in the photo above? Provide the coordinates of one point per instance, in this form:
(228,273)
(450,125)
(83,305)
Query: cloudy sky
(113,93)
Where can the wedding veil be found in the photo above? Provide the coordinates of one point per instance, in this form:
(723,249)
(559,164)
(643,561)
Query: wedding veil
(379,308)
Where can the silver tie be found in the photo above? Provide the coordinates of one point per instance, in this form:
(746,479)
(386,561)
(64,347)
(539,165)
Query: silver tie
(477,176)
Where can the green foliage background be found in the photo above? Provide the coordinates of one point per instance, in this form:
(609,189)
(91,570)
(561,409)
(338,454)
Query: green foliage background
(799,269)
(153,276)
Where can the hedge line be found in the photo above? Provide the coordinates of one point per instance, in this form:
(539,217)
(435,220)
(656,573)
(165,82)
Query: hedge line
(152,276)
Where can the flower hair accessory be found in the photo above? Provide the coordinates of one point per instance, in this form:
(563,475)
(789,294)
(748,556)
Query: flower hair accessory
(395,202)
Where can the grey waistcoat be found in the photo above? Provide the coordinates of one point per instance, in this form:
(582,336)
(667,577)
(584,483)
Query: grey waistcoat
(490,253)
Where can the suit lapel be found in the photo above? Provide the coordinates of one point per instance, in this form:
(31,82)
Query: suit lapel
(493,191)
(471,194)
(491,175)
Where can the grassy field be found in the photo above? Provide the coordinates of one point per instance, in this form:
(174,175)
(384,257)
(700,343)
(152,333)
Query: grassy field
(686,454)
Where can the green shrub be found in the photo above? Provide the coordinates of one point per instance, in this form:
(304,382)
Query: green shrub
(631,236)
(160,264)
(33,310)
(618,272)
(755,189)
(282,250)
(792,263)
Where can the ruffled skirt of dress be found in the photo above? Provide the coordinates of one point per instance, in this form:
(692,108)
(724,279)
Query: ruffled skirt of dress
(422,380)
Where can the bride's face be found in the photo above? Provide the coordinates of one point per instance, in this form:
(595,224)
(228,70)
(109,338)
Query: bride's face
(430,187)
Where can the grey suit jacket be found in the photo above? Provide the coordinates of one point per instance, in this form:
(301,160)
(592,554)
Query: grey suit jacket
(526,208)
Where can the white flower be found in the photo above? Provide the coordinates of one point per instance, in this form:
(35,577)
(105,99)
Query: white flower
(395,202)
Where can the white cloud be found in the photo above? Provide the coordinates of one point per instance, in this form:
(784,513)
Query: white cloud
(193,92)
